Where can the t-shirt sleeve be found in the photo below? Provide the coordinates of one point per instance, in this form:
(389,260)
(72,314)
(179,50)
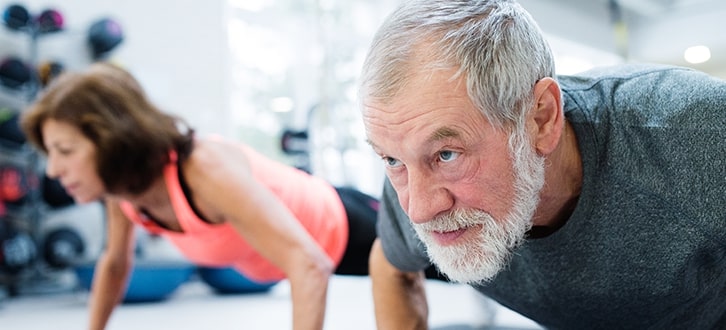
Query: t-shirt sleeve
(401,246)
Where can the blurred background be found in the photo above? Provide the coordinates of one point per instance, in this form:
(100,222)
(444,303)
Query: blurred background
(256,69)
(279,75)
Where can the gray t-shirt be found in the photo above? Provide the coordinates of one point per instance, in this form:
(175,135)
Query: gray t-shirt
(646,245)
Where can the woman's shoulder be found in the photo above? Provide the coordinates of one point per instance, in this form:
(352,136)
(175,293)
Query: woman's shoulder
(215,156)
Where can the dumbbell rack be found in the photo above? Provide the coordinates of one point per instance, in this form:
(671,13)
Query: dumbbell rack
(45,217)
(23,218)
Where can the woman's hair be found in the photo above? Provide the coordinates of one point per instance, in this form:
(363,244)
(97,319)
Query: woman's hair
(108,105)
(494,44)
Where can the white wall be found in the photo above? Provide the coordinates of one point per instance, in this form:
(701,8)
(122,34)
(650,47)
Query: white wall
(176,48)
(583,22)
(665,37)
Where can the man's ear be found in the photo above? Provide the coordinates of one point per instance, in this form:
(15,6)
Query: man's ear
(546,121)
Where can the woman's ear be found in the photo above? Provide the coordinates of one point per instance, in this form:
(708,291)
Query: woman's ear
(547,117)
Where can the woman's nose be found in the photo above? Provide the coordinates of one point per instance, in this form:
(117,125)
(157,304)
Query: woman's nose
(51,168)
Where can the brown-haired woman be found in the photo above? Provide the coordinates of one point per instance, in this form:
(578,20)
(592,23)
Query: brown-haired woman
(220,202)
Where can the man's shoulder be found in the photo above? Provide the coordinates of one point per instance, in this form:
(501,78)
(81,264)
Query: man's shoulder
(627,71)
(644,79)
(647,93)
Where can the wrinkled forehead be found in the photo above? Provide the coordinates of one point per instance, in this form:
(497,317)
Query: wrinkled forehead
(431,98)
(417,90)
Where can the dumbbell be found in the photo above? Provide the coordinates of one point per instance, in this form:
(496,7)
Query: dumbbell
(16,17)
(62,247)
(49,70)
(14,185)
(103,36)
(14,72)
(10,133)
(49,21)
(17,249)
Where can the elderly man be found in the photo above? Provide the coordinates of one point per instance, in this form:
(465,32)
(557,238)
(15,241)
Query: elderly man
(591,201)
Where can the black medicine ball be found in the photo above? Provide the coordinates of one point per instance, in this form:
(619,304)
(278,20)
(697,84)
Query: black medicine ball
(14,73)
(16,16)
(103,36)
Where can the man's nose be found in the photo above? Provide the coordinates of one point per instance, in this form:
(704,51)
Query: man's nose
(427,197)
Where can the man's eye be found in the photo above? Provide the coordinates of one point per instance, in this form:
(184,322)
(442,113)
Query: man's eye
(391,162)
(448,156)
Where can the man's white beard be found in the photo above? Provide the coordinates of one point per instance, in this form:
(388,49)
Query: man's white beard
(479,258)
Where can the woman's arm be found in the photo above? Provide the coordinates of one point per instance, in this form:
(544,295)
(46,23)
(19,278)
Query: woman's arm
(224,188)
(112,268)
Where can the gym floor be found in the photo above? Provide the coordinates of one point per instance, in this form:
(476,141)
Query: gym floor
(195,306)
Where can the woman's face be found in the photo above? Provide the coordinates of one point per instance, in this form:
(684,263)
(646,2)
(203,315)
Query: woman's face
(72,160)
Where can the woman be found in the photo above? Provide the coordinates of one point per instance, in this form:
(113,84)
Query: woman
(220,203)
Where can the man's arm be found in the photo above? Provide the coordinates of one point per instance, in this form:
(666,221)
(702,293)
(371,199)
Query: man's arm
(399,297)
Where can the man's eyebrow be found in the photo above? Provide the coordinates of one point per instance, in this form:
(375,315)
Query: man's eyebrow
(370,143)
(373,145)
(443,133)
